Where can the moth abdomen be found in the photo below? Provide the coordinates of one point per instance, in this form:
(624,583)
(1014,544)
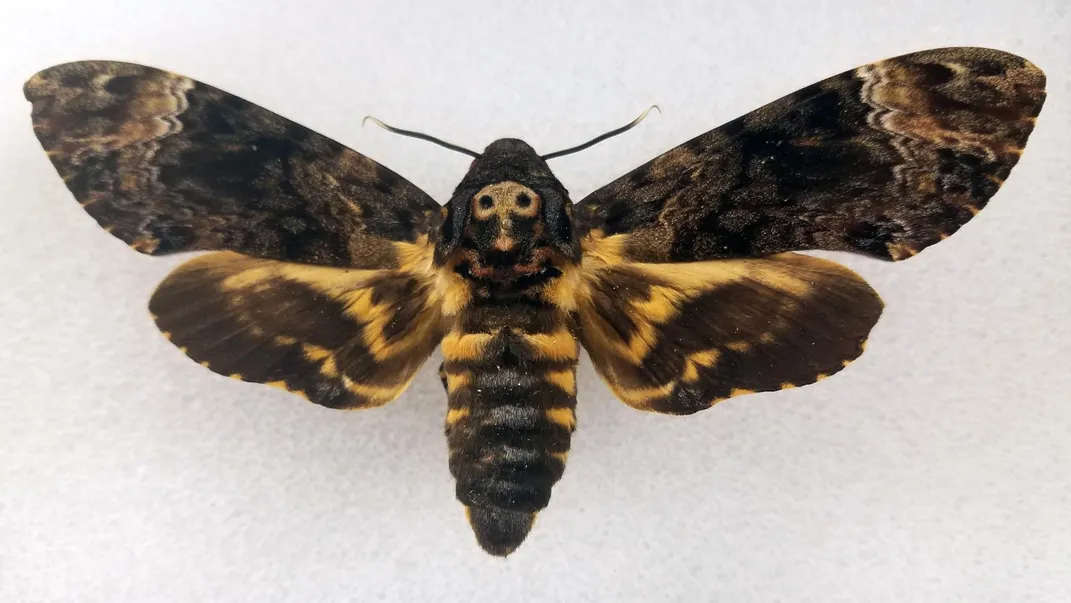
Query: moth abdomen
(506,455)
(512,401)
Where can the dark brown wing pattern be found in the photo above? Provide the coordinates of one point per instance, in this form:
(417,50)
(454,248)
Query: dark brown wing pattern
(883,160)
(324,286)
(678,338)
(340,338)
(169,164)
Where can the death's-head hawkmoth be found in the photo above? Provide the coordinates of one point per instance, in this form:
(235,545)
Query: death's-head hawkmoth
(334,278)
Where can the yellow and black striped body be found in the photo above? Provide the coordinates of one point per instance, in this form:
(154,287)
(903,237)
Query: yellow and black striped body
(510,373)
(511,347)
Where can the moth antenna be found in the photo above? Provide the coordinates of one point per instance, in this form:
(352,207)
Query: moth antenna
(421,136)
(598,139)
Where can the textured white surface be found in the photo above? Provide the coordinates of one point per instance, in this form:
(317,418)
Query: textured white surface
(933,469)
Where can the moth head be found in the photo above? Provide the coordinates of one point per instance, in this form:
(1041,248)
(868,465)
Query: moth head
(509,218)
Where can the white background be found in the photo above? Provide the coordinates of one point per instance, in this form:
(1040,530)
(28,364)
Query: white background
(936,468)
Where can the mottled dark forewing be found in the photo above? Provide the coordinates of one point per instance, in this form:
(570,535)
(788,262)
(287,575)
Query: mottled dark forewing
(677,338)
(341,338)
(883,160)
(168,164)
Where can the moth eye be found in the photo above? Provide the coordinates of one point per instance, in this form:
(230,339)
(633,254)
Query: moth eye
(523,200)
(486,202)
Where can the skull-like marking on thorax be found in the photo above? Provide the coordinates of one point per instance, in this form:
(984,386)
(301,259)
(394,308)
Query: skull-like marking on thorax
(507,201)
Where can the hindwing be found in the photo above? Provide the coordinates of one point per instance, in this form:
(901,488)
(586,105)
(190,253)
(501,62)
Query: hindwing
(677,338)
(340,338)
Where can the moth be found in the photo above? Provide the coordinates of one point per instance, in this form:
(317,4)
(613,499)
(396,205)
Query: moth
(332,277)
